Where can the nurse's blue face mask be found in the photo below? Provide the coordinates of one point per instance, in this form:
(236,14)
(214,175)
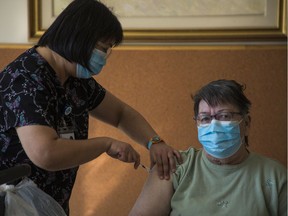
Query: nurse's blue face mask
(96,63)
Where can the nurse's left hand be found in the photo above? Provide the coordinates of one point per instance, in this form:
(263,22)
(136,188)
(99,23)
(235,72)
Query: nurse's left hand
(164,156)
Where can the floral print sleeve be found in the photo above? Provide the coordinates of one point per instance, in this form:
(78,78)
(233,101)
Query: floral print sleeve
(25,97)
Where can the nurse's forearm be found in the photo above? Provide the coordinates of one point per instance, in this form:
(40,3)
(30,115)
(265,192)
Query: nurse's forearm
(136,126)
(46,150)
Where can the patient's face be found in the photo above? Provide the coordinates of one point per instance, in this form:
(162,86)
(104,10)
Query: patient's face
(205,109)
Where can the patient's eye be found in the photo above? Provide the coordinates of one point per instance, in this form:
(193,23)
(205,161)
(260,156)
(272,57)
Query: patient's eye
(204,119)
(224,116)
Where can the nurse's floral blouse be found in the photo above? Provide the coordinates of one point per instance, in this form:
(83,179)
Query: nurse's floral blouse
(31,94)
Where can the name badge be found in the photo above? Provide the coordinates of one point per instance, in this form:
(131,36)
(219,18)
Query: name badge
(66,132)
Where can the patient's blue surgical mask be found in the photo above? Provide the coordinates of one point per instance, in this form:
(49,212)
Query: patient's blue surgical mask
(96,63)
(220,139)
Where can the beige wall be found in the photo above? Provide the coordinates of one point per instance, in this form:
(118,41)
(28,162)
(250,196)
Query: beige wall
(158,83)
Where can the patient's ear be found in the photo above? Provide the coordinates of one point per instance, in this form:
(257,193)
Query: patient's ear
(247,122)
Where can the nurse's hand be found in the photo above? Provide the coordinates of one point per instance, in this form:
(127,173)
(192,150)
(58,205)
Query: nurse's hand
(124,152)
(164,156)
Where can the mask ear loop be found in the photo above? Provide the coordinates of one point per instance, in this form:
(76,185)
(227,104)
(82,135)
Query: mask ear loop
(239,122)
(103,54)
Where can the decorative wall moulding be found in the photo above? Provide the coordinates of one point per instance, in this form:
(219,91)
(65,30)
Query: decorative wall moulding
(149,21)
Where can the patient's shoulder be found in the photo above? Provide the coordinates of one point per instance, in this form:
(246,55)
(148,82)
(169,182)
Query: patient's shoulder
(190,154)
(190,157)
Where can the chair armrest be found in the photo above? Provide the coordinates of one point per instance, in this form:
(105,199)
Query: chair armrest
(14,173)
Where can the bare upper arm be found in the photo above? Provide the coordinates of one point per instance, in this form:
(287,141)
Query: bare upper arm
(109,110)
(37,141)
(154,198)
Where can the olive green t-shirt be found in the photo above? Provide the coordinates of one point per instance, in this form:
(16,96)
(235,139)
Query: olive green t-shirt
(256,187)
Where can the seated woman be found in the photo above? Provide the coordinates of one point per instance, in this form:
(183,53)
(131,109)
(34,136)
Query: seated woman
(223,178)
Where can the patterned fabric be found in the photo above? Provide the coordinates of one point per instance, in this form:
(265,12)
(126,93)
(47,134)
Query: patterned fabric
(31,94)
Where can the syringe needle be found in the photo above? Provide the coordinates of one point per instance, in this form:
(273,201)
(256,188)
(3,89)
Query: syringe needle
(146,168)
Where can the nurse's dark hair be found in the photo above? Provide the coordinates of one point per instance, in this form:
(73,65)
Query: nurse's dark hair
(76,31)
(223,92)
